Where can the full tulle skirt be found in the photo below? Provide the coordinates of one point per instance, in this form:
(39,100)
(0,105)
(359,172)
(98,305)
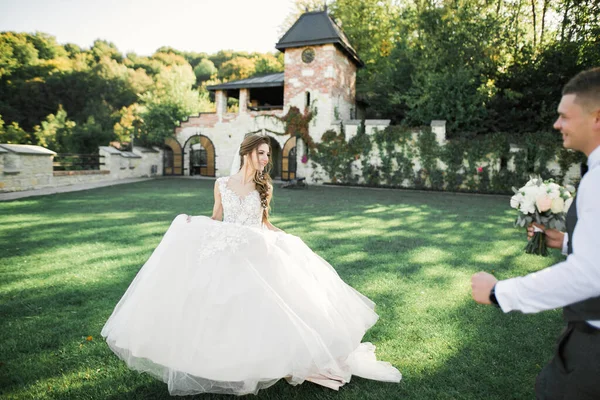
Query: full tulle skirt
(226,308)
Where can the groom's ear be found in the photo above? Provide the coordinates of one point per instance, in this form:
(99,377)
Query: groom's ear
(596,119)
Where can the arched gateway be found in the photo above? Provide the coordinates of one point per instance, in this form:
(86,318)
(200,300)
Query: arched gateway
(288,160)
(196,157)
(200,152)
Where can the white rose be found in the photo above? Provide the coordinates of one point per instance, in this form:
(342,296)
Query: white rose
(553,193)
(570,188)
(532,192)
(528,206)
(516,200)
(558,205)
(568,204)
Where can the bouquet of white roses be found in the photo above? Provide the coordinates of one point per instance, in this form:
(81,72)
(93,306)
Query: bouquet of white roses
(543,202)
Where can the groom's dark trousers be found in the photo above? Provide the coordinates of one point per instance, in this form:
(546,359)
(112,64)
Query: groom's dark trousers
(574,372)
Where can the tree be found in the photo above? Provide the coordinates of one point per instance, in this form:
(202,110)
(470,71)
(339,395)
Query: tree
(171,101)
(14,134)
(15,52)
(236,68)
(55,132)
(370,26)
(169,59)
(204,71)
(86,137)
(103,48)
(47,46)
(267,64)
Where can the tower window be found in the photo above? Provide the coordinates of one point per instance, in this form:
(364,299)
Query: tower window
(307,100)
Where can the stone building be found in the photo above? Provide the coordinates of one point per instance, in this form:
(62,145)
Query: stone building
(319,76)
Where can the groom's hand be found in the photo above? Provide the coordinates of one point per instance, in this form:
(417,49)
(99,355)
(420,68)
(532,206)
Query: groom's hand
(554,238)
(481,286)
(531,229)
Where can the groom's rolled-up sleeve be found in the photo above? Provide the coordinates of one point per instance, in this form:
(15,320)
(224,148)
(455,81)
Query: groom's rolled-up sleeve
(577,278)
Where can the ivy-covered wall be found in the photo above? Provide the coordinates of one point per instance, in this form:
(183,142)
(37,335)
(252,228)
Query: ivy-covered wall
(397,156)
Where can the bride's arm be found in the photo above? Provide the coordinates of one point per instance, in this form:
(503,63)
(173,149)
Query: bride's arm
(217,214)
(272,227)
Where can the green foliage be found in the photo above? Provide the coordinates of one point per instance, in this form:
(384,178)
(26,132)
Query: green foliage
(484,67)
(370,26)
(236,68)
(566,158)
(428,152)
(15,52)
(360,144)
(267,64)
(452,95)
(103,48)
(14,134)
(95,85)
(89,135)
(171,101)
(55,133)
(333,155)
(204,71)
(396,151)
(47,47)
(478,164)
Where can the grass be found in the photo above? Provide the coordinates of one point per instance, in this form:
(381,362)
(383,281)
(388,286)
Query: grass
(66,260)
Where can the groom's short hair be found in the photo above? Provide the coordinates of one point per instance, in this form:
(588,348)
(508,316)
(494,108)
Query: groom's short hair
(586,86)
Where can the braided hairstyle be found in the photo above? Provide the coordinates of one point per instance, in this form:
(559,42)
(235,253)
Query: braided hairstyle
(262,180)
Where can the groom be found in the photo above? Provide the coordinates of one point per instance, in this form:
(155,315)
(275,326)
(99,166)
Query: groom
(574,372)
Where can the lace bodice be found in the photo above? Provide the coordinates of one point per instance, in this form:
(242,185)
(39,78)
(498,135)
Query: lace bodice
(244,211)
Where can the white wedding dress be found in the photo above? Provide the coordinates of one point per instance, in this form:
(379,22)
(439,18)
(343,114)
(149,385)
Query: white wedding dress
(232,307)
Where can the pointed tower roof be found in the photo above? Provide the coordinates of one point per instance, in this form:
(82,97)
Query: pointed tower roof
(317,27)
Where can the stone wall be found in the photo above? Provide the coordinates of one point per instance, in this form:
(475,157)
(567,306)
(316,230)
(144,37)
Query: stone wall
(25,167)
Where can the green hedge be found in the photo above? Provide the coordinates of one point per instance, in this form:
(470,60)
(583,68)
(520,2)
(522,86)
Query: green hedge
(477,164)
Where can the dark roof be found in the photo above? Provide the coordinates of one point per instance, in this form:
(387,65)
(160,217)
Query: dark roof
(317,27)
(270,80)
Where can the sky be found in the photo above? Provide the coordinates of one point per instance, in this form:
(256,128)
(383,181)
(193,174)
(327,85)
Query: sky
(142,26)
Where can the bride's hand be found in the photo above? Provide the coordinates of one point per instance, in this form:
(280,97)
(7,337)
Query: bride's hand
(273,227)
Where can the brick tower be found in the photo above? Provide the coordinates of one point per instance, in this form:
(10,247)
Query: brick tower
(320,69)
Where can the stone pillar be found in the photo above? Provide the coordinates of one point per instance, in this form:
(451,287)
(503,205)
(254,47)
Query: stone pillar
(244,97)
(438,127)
(221,103)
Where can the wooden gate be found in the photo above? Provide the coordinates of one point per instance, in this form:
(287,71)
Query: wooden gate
(172,157)
(288,160)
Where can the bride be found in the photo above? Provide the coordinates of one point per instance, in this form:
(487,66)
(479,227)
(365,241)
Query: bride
(233,306)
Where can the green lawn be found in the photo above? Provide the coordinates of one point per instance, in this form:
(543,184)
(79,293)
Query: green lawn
(67,259)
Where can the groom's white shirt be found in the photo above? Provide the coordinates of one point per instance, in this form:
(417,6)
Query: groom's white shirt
(578,277)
